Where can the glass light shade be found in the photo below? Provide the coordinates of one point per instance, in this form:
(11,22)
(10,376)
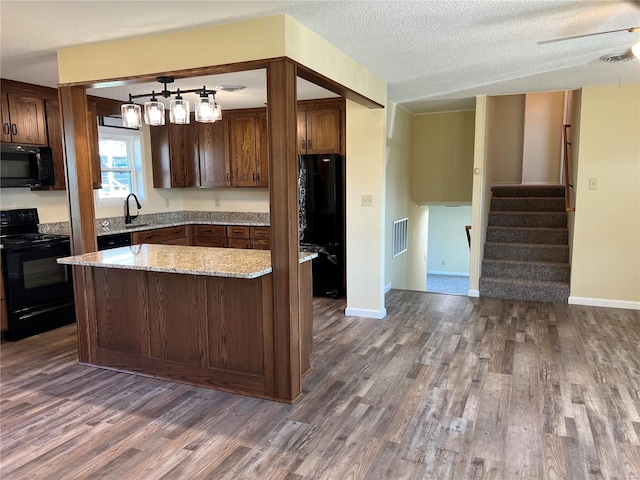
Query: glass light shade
(131,115)
(636,50)
(205,110)
(217,112)
(179,111)
(153,113)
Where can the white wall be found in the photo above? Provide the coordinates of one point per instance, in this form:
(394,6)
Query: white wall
(398,203)
(605,266)
(448,249)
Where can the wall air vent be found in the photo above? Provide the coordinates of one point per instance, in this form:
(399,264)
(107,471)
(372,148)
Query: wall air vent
(617,57)
(400,236)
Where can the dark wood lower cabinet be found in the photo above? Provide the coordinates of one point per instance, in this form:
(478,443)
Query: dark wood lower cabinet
(208,331)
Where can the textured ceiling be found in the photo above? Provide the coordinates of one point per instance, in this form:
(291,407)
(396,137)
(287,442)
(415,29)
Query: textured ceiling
(435,55)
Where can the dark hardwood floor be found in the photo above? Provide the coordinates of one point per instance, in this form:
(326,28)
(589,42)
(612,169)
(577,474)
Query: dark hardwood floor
(445,387)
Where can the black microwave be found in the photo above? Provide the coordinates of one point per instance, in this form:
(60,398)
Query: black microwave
(25,166)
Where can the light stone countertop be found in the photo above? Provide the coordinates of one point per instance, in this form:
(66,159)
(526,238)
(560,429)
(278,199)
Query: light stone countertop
(208,261)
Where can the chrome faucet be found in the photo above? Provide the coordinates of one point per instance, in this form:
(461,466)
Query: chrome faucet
(127,216)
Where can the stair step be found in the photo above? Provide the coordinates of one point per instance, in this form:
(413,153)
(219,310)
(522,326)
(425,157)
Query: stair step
(528,204)
(528,191)
(540,235)
(523,270)
(527,290)
(526,251)
(528,219)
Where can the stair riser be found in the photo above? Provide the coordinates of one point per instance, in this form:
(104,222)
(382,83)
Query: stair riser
(514,204)
(532,253)
(514,235)
(560,272)
(514,291)
(528,191)
(542,220)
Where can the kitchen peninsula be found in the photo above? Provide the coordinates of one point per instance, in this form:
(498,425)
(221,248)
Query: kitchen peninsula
(198,315)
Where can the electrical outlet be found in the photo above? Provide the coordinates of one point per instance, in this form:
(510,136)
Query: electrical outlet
(367,200)
(166,202)
(593,184)
(442,262)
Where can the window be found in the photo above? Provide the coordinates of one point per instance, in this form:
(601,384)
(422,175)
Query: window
(121,164)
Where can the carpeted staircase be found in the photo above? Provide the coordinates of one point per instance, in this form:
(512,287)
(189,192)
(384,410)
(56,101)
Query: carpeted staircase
(526,254)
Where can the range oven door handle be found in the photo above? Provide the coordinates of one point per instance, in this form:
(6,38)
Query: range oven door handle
(40,311)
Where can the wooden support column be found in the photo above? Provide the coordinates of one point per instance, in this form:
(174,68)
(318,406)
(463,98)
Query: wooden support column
(77,142)
(283,207)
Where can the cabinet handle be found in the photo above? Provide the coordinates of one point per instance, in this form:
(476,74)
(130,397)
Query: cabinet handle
(258,177)
(303,144)
(6,129)
(308,143)
(254,177)
(227,177)
(14,129)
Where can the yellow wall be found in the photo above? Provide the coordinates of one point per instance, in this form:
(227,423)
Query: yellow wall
(442,158)
(448,240)
(606,241)
(365,239)
(506,161)
(482,175)
(398,203)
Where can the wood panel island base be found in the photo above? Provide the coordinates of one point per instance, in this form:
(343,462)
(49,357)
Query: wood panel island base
(197,315)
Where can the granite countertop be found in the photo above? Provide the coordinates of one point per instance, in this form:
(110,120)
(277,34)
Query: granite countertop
(208,261)
(115,225)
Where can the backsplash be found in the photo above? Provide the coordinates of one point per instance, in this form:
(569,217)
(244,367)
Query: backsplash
(105,226)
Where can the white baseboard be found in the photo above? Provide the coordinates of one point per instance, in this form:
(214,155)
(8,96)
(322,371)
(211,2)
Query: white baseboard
(365,313)
(455,274)
(473,293)
(604,302)
(387,288)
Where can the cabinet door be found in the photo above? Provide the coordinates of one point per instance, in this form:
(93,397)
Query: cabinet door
(238,243)
(96,169)
(185,158)
(26,115)
(323,131)
(302,132)
(242,134)
(262,151)
(161,156)
(54,133)
(213,144)
(165,236)
(6,126)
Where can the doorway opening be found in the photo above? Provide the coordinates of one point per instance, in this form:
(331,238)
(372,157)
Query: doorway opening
(448,250)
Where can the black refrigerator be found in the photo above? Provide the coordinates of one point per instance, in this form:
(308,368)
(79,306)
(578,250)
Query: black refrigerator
(321,192)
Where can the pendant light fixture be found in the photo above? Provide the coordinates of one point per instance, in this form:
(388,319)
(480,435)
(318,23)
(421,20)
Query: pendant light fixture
(207,110)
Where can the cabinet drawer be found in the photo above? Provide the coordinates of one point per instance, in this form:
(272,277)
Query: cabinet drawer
(162,235)
(261,244)
(210,242)
(263,233)
(218,231)
(238,243)
(238,232)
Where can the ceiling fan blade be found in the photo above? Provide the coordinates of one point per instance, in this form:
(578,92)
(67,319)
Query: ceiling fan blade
(630,30)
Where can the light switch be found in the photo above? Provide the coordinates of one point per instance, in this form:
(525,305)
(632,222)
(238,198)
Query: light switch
(593,184)
(367,200)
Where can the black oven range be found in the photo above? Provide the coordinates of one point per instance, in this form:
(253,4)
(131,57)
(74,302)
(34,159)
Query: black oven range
(38,291)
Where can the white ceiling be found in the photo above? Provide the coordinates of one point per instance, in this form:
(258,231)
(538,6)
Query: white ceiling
(435,55)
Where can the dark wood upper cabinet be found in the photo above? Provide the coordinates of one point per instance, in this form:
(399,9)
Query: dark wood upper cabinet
(319,131)
(213,146)
(96,168)
(54,134)
(249,149)
(23,117)
(175,155)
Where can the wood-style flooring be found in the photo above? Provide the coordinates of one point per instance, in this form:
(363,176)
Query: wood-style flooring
(444,387)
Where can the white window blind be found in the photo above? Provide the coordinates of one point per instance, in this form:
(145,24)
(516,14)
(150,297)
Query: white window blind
(400,236)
